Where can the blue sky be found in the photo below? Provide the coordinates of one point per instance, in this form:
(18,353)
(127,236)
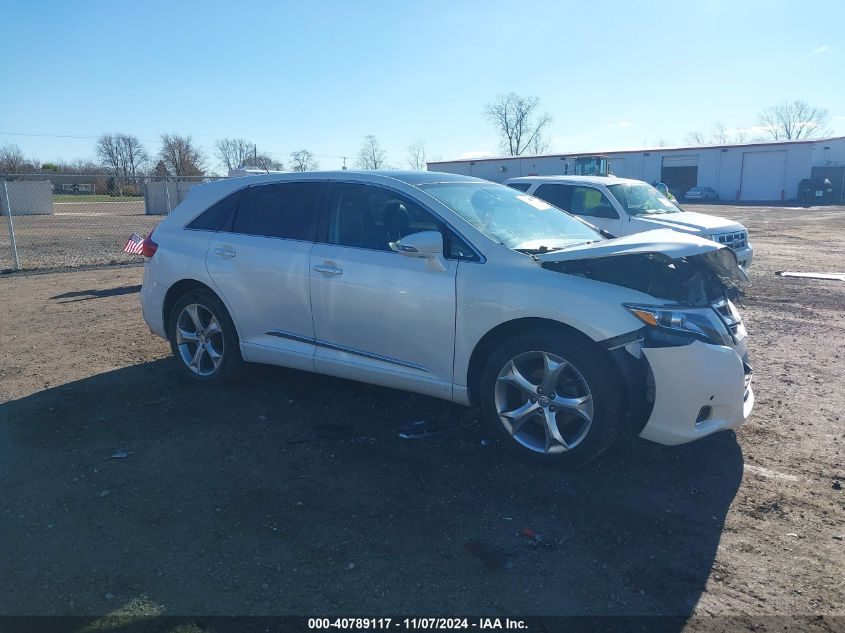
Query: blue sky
(322,75)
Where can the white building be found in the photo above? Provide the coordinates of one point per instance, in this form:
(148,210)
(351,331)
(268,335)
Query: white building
(747,172)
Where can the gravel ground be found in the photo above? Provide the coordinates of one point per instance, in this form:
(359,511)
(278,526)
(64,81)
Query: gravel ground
(291,493)
(77,234)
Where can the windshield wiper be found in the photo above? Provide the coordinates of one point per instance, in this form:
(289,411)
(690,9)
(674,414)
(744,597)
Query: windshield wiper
(545,249)
(535,251)
(568,246)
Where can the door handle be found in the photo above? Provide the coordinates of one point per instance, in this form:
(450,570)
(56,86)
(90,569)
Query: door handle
(327,269)
(224,252)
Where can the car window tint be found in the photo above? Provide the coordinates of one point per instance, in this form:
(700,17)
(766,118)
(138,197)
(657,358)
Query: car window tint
(213,218)
(558,195)
(591,202)
(520,186)
(278,210)
(372,217)
(457,248)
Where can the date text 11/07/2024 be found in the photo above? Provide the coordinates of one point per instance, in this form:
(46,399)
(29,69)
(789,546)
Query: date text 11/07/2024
(417,623)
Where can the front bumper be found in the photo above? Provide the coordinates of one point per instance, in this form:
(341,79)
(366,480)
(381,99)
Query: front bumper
(689,378)
(745,255)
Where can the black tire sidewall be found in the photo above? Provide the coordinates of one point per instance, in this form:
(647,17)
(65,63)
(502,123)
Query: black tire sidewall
(232,360)
(601,377)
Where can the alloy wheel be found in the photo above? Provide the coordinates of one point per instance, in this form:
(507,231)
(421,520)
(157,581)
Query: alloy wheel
(543,402)
(199,339)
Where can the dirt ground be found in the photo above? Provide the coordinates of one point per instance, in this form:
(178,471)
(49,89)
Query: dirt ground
(291,493)
(77,234)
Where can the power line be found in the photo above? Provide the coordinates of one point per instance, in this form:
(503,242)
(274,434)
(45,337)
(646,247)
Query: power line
(40,134)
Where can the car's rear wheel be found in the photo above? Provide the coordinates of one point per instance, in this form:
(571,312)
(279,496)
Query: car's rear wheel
(552,398)
(203,338)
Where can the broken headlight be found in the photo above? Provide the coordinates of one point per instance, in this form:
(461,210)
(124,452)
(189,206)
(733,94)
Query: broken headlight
(702,324)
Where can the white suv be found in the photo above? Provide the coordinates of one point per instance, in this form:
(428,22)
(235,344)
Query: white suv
(622,206)
(460,289)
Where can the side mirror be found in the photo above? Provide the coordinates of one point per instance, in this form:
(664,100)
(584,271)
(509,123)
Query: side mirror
(426,244)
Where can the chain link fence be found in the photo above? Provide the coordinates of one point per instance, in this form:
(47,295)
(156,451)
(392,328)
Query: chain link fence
(61,220)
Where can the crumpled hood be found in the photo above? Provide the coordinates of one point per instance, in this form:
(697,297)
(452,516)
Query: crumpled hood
(688,221)
(672,244)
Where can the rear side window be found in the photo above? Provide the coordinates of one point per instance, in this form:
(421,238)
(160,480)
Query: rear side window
(213,218)
(279,210)
(558,195)
(520,186)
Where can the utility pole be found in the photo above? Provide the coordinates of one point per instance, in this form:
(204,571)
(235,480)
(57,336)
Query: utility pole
(344,161)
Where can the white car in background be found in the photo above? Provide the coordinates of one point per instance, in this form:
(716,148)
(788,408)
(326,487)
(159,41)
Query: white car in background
(460,289)
(622,206)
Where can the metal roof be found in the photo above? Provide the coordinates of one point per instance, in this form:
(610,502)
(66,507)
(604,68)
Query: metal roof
(687,148)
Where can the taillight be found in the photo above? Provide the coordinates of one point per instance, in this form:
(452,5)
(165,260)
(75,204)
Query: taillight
(148,247)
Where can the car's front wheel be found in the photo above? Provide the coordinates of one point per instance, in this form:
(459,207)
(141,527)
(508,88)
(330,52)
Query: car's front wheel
(203,338)
(552,397)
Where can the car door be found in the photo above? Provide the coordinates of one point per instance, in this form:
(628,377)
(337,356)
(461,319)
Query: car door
(379,316)
(259,262)
(588,203)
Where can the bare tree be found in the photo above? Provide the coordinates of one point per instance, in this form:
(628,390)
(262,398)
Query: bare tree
(160,170)
(518,122)
(793,120)
(124,155)
(303,160)
(416,156)
(696,138)
(719,136)
(181,156)
(12,160)
(79,166)
(371,155)
(109,153)
(540,145)
(263,160)
(234,152)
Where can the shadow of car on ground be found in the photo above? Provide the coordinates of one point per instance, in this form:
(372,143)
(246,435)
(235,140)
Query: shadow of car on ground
(229,502)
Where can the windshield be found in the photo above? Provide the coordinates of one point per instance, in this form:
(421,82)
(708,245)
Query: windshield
(513,218)
(642,199)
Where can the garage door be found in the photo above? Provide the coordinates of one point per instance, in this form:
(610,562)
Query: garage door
(680,173)
(763,175)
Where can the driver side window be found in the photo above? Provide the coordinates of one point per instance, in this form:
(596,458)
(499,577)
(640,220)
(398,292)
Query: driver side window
(591,202)
(370,217)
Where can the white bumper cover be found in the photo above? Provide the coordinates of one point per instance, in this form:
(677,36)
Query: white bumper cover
(688,378)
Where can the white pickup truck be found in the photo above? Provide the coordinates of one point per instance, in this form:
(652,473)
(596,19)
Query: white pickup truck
(622,206)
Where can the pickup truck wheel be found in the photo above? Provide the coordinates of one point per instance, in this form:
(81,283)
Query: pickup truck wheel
(203,338)
(552,398)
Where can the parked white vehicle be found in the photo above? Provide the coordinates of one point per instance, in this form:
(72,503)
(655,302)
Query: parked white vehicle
(622,206)
(460,289)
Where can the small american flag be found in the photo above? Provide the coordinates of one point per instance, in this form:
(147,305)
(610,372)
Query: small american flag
(134,245)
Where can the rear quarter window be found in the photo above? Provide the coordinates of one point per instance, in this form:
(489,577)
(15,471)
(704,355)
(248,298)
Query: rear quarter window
(214,218)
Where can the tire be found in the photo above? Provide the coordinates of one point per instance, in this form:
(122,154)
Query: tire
(205,352)
(587,407)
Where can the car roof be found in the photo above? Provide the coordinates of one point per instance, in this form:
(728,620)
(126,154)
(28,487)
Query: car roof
(593,180)
(215,189)
(408,177)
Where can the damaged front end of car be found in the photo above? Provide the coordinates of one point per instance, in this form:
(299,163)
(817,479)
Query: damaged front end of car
(686,366)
